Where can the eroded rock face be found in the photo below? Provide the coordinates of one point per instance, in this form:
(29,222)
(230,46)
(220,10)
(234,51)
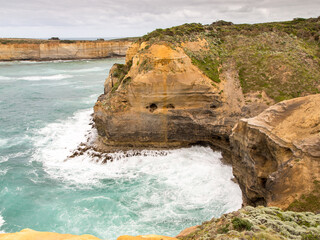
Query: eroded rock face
(277,154)
(53,50)
(28,234)
(166,101)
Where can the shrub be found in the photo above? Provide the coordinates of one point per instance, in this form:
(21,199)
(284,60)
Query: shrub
(241,224)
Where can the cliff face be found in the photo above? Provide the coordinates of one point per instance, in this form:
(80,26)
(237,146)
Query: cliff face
(28,234)
(191,84)
(180,89)
(53,50)
(277,155)
(160,99)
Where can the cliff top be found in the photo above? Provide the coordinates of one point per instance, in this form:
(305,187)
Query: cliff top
(279,59)
(39,41)
(258,223)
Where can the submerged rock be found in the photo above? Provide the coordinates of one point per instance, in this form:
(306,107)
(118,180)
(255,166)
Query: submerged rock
(276,155)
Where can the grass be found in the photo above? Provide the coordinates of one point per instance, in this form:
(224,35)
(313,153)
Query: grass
(120,73)
(310,202)
(208,65)
(241,224)
(281,59)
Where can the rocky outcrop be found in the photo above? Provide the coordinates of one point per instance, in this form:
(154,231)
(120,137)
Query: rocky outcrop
(58,50)
(28,234)
(160,99)
(277,155)
(258,223)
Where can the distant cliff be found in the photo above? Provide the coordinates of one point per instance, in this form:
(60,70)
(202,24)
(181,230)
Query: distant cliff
(61,50)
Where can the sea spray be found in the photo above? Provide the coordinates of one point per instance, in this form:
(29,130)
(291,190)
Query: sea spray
(158,192)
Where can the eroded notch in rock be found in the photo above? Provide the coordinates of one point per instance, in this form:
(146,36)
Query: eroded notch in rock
(170,106)
(152,107)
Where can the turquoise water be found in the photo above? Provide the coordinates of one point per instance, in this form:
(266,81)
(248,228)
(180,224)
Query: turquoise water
(45,113)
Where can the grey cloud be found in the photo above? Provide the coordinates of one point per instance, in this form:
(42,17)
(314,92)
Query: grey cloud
(132,17)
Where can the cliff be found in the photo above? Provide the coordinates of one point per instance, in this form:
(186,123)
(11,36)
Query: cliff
(28,234)
(61,50)
(276,155)
(160,99)
(191,84)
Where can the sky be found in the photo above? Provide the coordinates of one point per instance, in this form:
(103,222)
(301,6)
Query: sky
(126,18)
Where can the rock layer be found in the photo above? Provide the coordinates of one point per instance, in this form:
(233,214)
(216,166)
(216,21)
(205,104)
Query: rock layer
(276,155)
(56,50)
(28,234)
(165,101)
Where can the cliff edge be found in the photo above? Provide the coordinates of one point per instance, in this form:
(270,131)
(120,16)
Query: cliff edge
(276,155)
(61,50)
(190,84)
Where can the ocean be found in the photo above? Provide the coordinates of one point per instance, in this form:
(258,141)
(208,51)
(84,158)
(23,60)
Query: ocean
(45,113)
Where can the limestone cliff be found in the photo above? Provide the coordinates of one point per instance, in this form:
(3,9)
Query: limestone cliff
(277,155)
(61,50)
(190,84)
(28,234)
(160,99)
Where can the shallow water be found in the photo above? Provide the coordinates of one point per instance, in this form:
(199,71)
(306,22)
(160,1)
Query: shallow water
(45,113)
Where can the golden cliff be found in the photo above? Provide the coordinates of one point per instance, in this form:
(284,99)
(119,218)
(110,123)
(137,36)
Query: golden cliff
(276,155)
(191,84)
(60,50)
(160,99)
(29,234)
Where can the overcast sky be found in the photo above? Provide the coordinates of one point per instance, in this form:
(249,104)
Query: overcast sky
(120,18)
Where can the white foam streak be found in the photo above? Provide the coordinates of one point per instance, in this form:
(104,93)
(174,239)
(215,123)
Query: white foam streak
(51,77)
(174,181)
(3,142)
(4,78)
(1,223)
(85,70)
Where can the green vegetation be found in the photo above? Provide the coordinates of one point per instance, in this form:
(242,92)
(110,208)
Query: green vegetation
(241,224)
(260,223)
(309,202)
(119,73)
(281,59)
(207,63)
(145,65)
(224,229)
(310,236)
(175,32)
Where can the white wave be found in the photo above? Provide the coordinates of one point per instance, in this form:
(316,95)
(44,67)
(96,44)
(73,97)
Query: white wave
(91,99)
(51,77)
(3,141)
(193,172)
(4,78)
(181,184)
(3,159)
(1,223)
(56,141)
(10,142)
(85,70)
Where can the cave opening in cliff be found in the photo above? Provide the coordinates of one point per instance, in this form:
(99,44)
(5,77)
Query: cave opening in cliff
(152,107)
